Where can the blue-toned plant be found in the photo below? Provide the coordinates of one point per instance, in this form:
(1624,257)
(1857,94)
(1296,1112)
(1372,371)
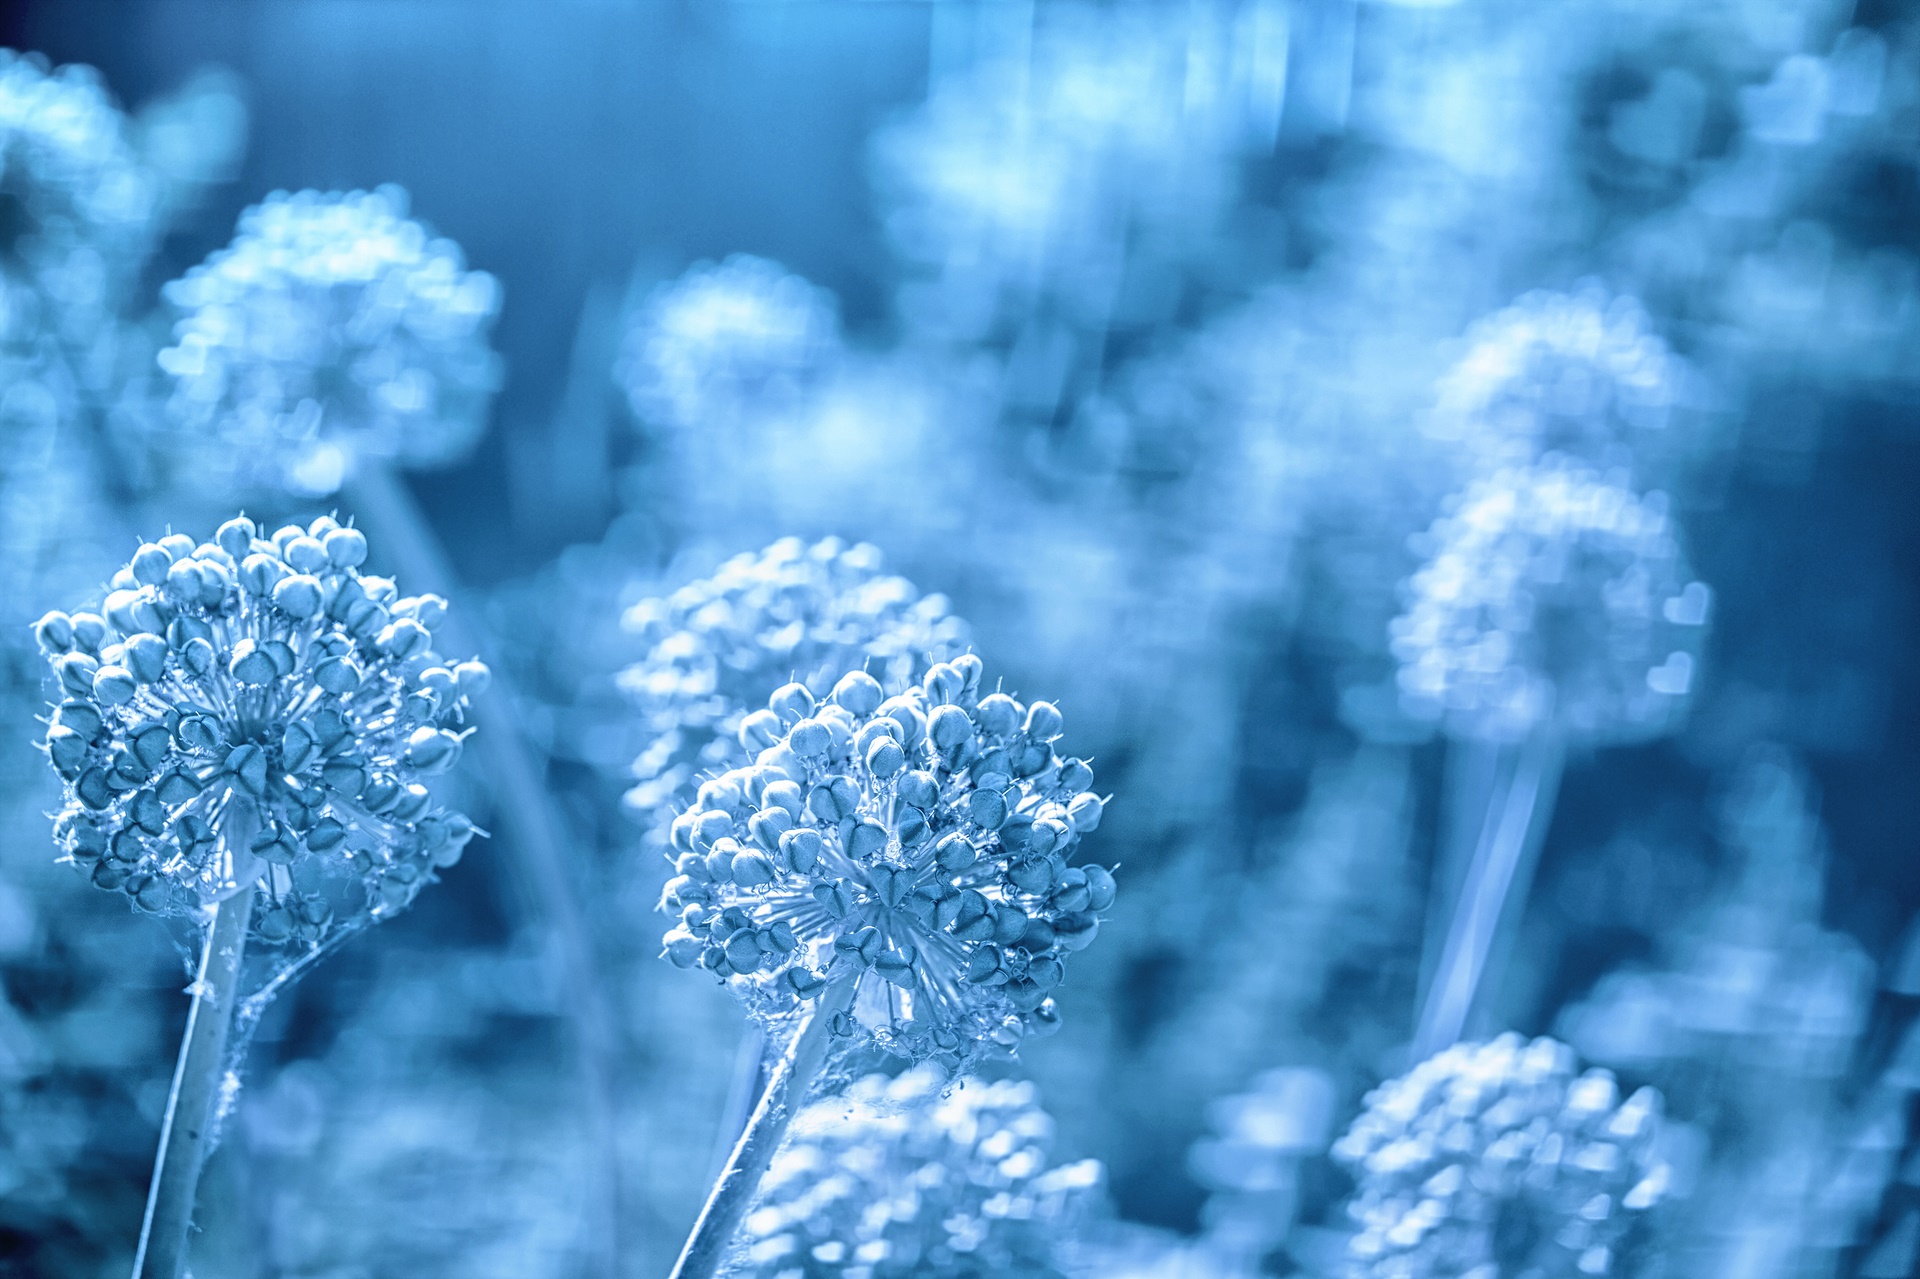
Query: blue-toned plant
(916,1175)
(889,871)
(1555,609)
(1496,1159)
(244,729)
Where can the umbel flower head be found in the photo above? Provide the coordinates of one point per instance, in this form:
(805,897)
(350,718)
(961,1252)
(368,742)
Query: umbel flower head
(256,710)
(333,326)
(1578,373)
(1552,597)
(1495,1159)
(719,646)
(746,328)
(911,1177)
(914,845)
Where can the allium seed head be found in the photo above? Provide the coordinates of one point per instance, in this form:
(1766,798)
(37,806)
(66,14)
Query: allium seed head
(1469,1145)
(1554,597)
(256,710)
(916,846)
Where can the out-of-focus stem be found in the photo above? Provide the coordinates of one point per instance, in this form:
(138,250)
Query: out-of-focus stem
(1518,809)
(743,1094)
(187,1129)
(524,810)
(785,1092)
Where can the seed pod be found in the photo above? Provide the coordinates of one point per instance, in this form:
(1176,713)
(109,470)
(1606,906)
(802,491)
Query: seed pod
(920,789)
(885,758)
(810,740)
(89,632)
(114,685)
(998,715)
(950,729)
(987,809)
(1075,775)
(1044,722)
(1070,891)
(985,967)
(247,765)
(327,834)
(973,917)
(345,547)
(275,843)
(759,730)
(54,633)
(1085,811)
(943,684)
(251,665)
(834,801)
(1009,924)
(866,840)
(970,669)
(146,657)
(76,671)
(858,692)
(955,852)
(791,702)
(768,825)
(780,937)
(911,829)
(784,794)
(834,898)
(897,967)
(802,983)
(1101,889)
(743,951)
(682,949)
(432,750)
(861,946)
(751,869)
(802,849)
(1044,1020)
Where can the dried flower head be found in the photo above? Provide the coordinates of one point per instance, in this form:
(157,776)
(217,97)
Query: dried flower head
(898,1177)
(1580,373)
(257,711)
(333,326)
(719,646)
(914,845)
(1552,597)
(745,328)
(1495,1159)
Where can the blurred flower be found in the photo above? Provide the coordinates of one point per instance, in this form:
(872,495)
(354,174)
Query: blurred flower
(746,329)
(912,1176)
(253,710)
(916,845)
(1494,1159)
(1552,597)
(332,327)
(719,646)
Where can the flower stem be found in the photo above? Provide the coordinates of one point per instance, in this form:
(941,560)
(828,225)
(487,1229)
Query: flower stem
(785,1092)
(1517,808)
(536,836)
(187,1130)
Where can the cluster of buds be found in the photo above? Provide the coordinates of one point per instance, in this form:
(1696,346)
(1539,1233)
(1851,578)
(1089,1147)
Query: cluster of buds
(1552,597)
(255,710)
(1496,1159)
(745,328)
(788,612)
(910,1177)
(333,326)
(1581,373)
(914,845)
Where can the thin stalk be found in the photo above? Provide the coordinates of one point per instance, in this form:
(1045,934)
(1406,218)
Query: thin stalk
(187,1129)
(785,1092)
(743,1094)
(524,810)
(1518,810)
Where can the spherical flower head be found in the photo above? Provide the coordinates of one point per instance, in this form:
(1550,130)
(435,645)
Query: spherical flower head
(910,1177)
(333,326)
(1496,1159)
(747,327)
(255,710)
(1580,373)
(719,646)
(1553,598)
(916,846)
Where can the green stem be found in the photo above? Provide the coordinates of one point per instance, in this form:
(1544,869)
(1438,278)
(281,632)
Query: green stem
(785,1092)
(536,838)
(187,1130)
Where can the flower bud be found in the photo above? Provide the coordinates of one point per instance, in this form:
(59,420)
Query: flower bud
(345,547)
(791,702)
(858,692)
(998,715)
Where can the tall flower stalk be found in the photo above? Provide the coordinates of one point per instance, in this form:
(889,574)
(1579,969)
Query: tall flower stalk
(244,731)
(890,871)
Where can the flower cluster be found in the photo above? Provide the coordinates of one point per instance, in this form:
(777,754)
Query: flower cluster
(1495,1159)
(1581,374)
(1552,597)
(333,326)
(257,710)
(905,1176)
(746,327)
(914,845)
(790,611)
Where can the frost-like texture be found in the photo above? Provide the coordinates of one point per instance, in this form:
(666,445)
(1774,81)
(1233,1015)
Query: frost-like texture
(745,329)
(1555,598)
(333,326)
(257,711)
(915,845)
(1581,374)
(719,646)
(1493,1160)
(897,1178)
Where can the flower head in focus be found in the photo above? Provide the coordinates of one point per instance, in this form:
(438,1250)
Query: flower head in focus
(257,711)
(1581,374)
(745,328)
(333,326)
(1496,1159)
(898,1178)
(1552,597)
(719,646)
(914,845)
